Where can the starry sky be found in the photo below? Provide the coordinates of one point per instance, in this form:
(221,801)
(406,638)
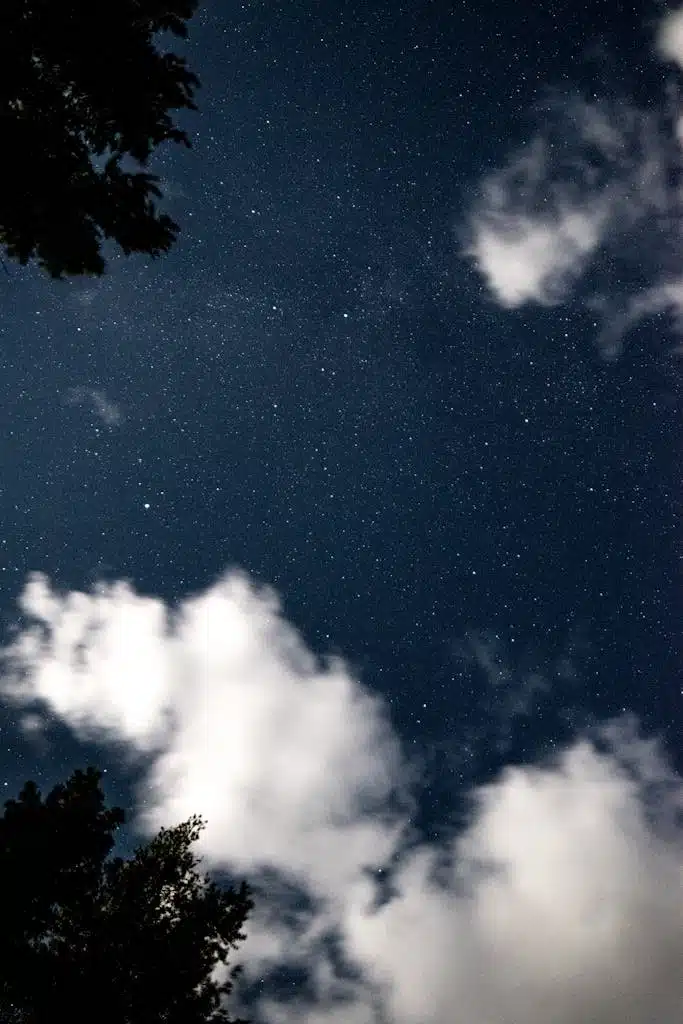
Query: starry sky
(363,504)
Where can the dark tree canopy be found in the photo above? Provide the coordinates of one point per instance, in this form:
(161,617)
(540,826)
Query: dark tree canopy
(88,937)
(85,96)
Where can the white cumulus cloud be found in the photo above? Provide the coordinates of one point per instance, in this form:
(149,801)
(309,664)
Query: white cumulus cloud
(284,755)
(561,904)
(562,900)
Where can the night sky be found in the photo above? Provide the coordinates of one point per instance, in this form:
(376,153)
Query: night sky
(413,367)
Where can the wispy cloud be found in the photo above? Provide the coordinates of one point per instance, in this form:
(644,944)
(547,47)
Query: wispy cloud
(507,687)
(594,199)
(527,254)
(560,900)
(100,405)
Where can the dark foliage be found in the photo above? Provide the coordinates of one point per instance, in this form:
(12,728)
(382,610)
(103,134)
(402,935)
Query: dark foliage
(85,95)
(86,936)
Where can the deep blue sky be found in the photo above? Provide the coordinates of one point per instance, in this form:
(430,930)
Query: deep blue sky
(315,386)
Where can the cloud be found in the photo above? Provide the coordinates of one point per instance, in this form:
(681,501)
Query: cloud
(594,202)
(557,907)
(533,256)
(107,411)
(508,689)
(285,756)
(561,900)
(670,37)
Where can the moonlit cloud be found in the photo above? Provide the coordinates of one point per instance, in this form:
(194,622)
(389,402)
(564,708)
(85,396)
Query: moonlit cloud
(670,37)
(534,256)
(556,906)
(289,759)
(593,202)
(562,900)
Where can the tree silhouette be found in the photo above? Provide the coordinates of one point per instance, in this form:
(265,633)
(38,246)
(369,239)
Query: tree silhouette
(85,97)
(88,937)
